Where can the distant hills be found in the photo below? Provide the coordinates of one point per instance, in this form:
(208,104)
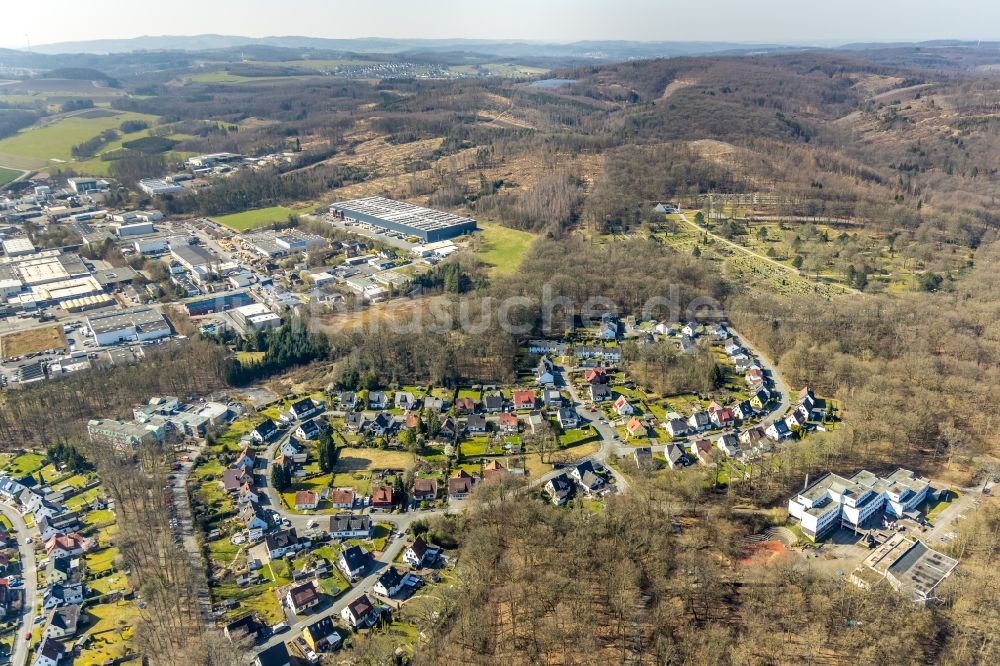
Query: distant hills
(599,50)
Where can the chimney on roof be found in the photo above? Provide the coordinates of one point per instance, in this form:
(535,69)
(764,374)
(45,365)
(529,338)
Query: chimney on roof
(806,483)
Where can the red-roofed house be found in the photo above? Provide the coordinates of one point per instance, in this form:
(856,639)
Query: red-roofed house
(524,399)
(508,423)
(306,500)
(382,497)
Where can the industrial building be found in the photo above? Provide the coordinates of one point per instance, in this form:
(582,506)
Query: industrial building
(425,223)
(156,187)
(135,229)
(132,325)
(16,247)
(256,317)
(193,257)
(277,244)
(87,185)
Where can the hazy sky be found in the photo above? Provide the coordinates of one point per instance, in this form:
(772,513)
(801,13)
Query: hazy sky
(789,21)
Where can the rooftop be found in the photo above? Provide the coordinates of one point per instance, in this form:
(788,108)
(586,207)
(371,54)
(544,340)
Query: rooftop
(400,212)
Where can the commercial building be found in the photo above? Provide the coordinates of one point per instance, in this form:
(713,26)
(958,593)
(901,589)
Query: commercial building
(425,223)
(16,247)
(124,435)
(835,501)
(135,324)
(256,317)
(135,229)
(193,257)
(276,244)
(156,187)
(87,185)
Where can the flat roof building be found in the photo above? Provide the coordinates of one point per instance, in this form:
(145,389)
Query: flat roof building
(909,565)
(156,187)
(192,257)
(834,501)
(275,244)
(132,325)
(256,317)
(16,247)
(427,224)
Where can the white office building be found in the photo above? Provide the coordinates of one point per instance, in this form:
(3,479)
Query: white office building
(835,501)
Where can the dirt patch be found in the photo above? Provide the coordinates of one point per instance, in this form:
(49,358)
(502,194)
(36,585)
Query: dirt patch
(765,553)
(29,342)
(673,87)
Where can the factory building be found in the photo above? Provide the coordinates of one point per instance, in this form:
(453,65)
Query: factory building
(425,223)
(132,325)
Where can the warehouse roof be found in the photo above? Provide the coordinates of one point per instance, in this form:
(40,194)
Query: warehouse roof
(144,318)
(400,212)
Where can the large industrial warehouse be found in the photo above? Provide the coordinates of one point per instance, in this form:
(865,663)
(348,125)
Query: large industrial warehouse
(425,223)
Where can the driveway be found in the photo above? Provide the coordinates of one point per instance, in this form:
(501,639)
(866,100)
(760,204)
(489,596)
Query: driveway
(29,574)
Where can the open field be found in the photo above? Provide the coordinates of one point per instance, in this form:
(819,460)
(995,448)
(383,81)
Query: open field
(7,175)
(503,248)
(34,340)
(354,459)
(258,217)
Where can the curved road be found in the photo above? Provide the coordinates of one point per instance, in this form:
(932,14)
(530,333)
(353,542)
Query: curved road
(29,575)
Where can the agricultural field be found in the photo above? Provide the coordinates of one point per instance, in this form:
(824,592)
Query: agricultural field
(503,248)
(34,340)
(259,217)
(498,69)
(53,141)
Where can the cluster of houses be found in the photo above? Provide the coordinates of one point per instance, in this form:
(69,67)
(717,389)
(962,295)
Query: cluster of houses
(585,476)
(64,592)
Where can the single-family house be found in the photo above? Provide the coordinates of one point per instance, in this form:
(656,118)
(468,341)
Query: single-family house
(447,429)
(743,411)
(382,497)
(465,405)
(544,372)
(460,485)
(404,400)
(623,407)
(728,444)
(49,653)
(796,418)
(587,476)
(551,397)
(264,431)
(234,479)
(391,582)
(700,421)
(360,613)
(376,400)
(254,520)
(559,489)
(354,421)
(294,450)
(304,409)
(524,399)
(281,542)
(536,422)
(567,418)
(343,498)
(61,594)
(493,403)
(411,421)
(348,400)
(353,561)
(475,424)
(751,437)
(246,625)
(424,490)
(720,332)
(276,655)
(677,427)
(321,635)
(759,399)
(690,329)
(350,526)
(722,417)
(306,500)
(247,460)
(600,393)
(433,405)
(246,494)
(381,424)
(778,431)
(300,598)
(635,428)
(807,398)
(63,570)
(643,456)
(62,622)
(702,450)
(309,429)
(675,456)
(420,554)
(598,375)
(508,423)
(68,545)
(493,470)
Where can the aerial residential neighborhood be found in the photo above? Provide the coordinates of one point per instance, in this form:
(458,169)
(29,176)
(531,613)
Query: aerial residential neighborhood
(539,333)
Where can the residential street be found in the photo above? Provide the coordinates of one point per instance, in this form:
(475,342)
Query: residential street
(29,575)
